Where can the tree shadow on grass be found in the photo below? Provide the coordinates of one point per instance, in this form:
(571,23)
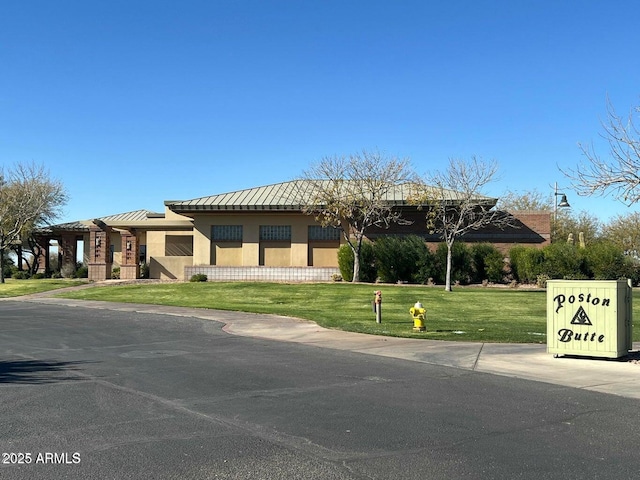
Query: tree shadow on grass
(34,372)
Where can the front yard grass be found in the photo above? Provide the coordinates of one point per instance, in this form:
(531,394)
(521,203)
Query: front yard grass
(16,288)
(467,314)
(475,314)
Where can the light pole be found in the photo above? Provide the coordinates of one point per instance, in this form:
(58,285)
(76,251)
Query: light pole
(562,204)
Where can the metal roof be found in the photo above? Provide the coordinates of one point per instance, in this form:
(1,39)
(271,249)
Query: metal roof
(282,196)
(279,196)
(70,226)
(83,225)
(134,216)
(142,219)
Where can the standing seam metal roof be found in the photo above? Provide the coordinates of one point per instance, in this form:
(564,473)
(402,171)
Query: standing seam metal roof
(134,216)
(279,196)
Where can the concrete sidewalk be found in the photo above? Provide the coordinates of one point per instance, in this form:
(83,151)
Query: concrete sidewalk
(526,361)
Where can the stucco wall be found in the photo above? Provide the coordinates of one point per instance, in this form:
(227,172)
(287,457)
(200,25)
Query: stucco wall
(295,255)
(324,253)
(157,244)
(169,268)
(227,254)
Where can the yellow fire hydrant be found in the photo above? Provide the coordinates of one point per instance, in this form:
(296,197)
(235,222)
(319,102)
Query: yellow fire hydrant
(418,312)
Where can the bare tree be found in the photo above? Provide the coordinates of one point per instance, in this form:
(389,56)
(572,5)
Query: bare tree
(354,193)
(29,198)
(527,200)
(456,205)
(619,173)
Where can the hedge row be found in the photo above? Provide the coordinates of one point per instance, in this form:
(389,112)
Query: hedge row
(408,259)
(596,261)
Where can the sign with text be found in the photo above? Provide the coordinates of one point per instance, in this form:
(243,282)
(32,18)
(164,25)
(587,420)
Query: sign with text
(589,317)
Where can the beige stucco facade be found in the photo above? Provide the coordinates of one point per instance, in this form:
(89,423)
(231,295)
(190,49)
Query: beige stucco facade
(252,234)
(252,251)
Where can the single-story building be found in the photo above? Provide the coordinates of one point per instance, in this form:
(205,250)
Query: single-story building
(258,233)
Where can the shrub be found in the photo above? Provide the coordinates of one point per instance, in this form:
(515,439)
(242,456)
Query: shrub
(38,276)
(198,277)
(541,280)
(564,260)
(144,270)
(367,263)
(632,270)
(426,267)
(391,260)
(68,270)
(82,271)
(526,263)
(11,271)
(402,259)
(487,263)
(20,275)
(8,267)
(115,273)
(461,270)
(495,267)
(606,261)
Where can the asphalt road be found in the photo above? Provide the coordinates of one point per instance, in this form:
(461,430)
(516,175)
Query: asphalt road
(88,393)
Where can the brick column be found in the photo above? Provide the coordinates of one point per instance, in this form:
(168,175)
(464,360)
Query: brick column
(99,253)
(43,244)
(68,247)
(129,265)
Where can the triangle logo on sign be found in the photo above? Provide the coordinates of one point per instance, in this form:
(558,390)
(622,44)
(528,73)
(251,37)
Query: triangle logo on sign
(581,318)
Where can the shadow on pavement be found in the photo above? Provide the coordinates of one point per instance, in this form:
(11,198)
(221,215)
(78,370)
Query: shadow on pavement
(631,357)
(34,372)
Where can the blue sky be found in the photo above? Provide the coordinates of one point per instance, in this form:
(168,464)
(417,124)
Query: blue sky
(131,103)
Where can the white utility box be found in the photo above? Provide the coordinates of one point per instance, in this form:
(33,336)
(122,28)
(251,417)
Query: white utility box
(591,318)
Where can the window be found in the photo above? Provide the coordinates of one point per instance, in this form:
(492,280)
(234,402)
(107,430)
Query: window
(226,233)
(275,233)
(316,232)
(142,257)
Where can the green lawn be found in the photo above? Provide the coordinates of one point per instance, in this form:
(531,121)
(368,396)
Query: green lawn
(467,314)
(16,288)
